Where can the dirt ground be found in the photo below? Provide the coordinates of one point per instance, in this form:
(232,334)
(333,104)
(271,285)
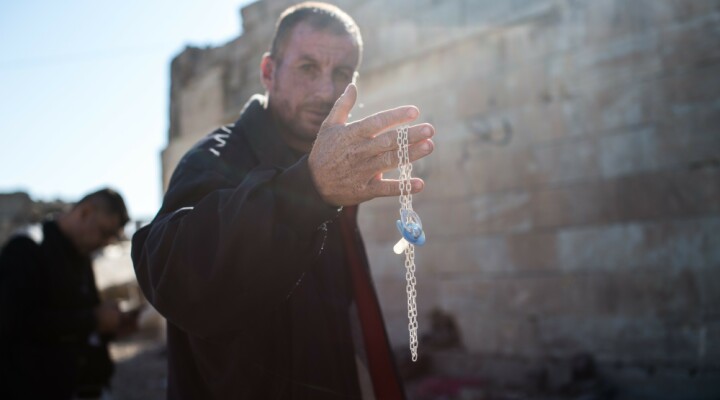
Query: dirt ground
(141,374)
(140,369)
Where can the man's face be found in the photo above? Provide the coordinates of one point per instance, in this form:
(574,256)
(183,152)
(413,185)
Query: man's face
(312,70)
(98,229)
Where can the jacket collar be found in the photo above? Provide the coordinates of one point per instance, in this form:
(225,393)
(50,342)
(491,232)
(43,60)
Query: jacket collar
(53,235)
(262,134)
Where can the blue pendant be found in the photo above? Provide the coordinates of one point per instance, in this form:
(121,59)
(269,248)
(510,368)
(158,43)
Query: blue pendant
(410,227)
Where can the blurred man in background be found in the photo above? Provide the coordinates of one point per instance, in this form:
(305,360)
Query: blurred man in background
(54,328)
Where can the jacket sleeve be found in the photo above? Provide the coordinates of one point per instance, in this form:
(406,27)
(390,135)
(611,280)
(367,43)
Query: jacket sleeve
(218,256)
(21,280)
(18,285)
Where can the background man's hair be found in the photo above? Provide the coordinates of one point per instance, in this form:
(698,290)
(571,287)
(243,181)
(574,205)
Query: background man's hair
(108,201)
(321,16)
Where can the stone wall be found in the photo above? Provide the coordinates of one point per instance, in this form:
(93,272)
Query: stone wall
(572,204)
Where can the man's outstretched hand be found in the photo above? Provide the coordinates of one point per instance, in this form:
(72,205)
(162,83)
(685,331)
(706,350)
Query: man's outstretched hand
(348,159)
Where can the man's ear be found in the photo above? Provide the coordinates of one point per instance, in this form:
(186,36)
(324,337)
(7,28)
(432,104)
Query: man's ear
(85,210)
(267,71)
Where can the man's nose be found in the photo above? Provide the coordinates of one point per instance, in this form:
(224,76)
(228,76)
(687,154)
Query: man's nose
(104,243)
(325,88)
(108,240)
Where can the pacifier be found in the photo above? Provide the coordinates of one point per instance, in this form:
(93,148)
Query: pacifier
(410,228)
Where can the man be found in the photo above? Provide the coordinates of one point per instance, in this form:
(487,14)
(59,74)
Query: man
(263,281)
(53,327)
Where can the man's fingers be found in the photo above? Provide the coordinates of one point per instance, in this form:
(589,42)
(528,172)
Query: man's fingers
(384,120)
(389,159)
(391,187)
(420,150)
(339,113)
(387,141)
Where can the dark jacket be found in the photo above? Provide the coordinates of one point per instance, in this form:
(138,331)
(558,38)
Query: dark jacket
(47,346)
(246,262)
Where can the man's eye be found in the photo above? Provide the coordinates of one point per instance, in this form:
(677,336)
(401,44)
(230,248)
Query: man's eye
(307,67)
(343,76)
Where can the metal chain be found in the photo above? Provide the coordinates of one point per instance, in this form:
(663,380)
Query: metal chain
(405,168)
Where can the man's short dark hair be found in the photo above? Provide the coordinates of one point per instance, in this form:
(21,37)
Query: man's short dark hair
(321,16)
(109,201)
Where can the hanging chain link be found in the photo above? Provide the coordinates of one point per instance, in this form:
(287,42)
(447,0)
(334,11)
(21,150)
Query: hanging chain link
(405,168)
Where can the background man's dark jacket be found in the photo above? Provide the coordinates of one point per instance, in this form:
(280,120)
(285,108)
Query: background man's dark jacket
(47,346)
(246,262)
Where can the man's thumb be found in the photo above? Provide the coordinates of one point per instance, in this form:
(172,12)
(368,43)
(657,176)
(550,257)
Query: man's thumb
(341,110)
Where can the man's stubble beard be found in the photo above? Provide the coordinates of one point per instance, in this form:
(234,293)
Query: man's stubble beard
(290,126)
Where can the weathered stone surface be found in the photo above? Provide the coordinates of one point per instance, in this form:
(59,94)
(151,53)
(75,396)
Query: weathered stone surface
(690,243)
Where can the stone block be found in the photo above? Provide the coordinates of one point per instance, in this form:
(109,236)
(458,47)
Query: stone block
(429,83)
(610,338)
(458,255)
(663,382)
(691,44)
(708,287)
(682,13)
(533,251)
(524,166)
(689,243)
(617,106)
(201,105)
(604,247)
(545,120)
(708,351)
(440,13)
(693,91)
(480,97)
(445,171)
(608,21)
(563,161)
(464,295)
(497,168)
(638,94)
(532,44)
(493,254)
(685,193)
(619,59)
(498,335)
(628,294)
(493,14)
(627,153)
(448,218)
(581,204)
(657,195)
(670,295)
(525,295)
(508,211)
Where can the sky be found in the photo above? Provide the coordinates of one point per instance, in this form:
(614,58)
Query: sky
(84,92)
